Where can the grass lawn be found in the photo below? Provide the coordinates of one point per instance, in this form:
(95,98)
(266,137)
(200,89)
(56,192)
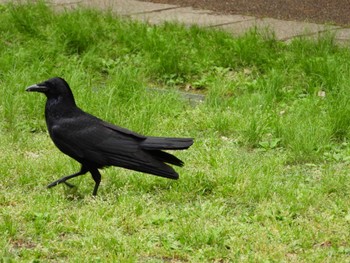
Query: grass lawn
(267,179)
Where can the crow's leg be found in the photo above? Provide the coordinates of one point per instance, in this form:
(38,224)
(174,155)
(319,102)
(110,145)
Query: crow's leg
(97,178)
(82,171)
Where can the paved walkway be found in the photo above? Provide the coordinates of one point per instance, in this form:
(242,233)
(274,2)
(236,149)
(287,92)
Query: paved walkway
(235,24)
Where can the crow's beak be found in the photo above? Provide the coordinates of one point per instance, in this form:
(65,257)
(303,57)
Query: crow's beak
(37,88)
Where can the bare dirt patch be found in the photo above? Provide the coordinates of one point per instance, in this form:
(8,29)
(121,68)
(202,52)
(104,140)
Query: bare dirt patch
(321,11)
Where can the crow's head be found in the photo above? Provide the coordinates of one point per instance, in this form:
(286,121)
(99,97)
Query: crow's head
(53,88)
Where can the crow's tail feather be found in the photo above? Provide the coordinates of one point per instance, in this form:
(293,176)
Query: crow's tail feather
(161,143)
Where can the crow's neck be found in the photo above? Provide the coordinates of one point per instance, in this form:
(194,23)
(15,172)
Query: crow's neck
(59,107)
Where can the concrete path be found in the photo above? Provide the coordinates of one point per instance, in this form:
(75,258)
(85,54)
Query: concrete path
(236,24)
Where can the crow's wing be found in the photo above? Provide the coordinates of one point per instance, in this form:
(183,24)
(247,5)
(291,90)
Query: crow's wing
(93,141)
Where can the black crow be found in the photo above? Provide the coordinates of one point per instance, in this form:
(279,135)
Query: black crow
(96,144)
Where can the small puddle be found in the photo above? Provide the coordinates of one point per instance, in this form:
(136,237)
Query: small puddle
(192,98)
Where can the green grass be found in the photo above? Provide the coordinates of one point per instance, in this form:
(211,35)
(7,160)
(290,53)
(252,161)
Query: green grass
(266,180)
